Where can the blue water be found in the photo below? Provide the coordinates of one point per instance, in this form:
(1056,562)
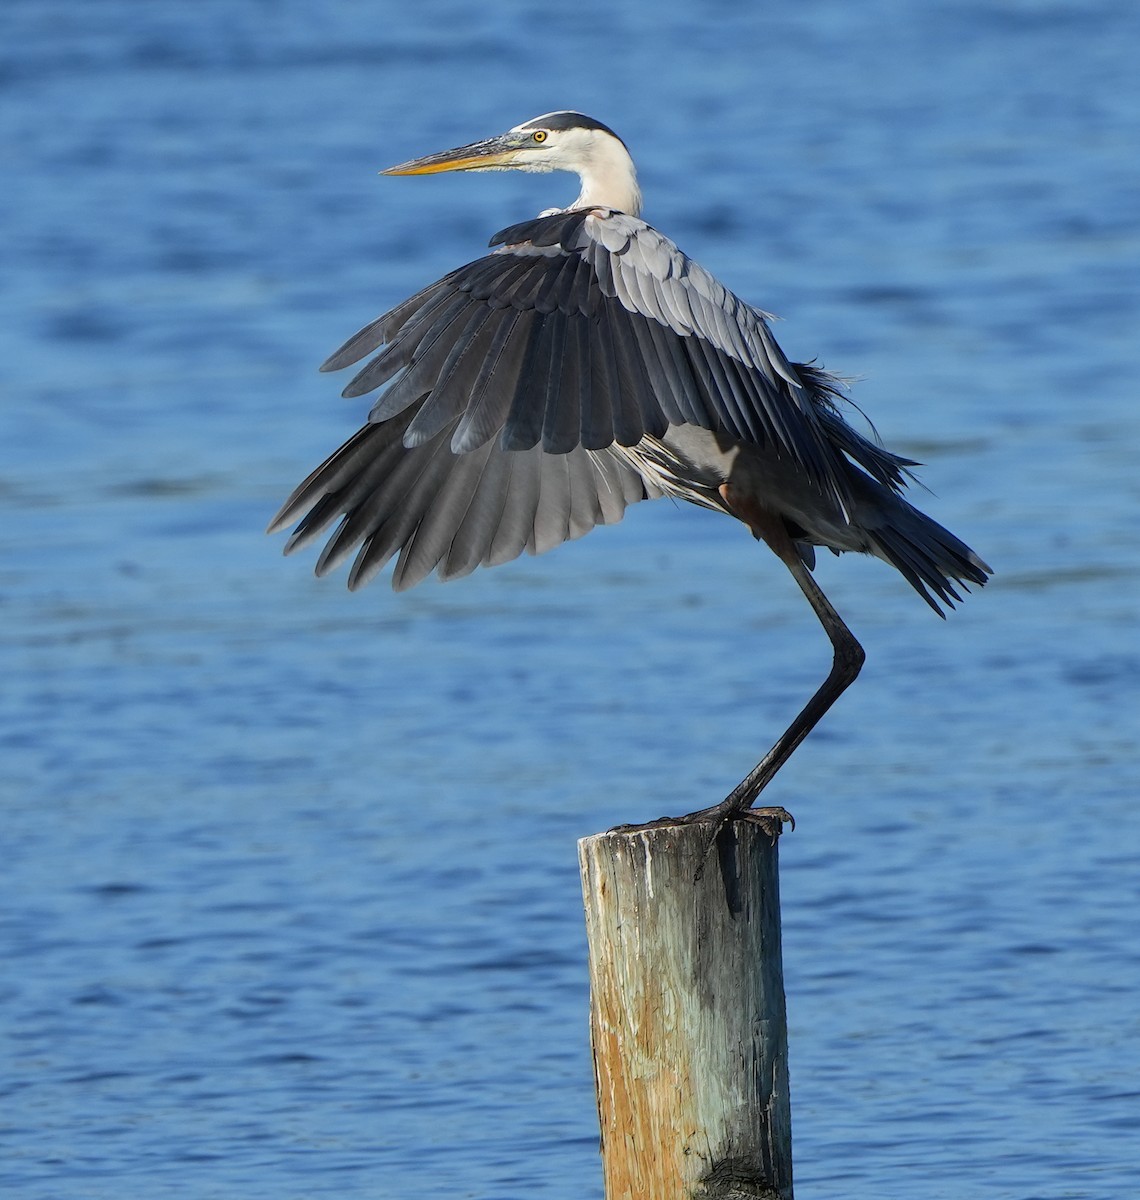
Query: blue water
(288,900)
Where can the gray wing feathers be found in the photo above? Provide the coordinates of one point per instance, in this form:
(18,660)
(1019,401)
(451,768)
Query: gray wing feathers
(469,351)
(527,391)
(585,328)
(494,388)
(384,328)
(651,277)
(513,382)
(447,512)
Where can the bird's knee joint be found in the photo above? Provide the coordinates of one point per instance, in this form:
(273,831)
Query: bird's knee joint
(850,658)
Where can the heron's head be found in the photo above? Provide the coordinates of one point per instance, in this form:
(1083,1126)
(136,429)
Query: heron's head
(558,141)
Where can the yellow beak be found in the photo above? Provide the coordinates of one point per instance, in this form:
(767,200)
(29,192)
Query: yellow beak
(493,153)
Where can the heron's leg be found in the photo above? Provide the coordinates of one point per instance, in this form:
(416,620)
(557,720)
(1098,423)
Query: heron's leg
(848,657)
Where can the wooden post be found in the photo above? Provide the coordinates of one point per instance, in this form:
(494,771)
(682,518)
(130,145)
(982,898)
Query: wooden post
(687,1016)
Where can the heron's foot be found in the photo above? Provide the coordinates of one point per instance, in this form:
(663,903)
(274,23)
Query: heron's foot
(771,820)
(701,817)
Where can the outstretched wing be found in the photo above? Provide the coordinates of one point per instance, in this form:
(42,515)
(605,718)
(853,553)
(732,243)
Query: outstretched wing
(448,511)
(583,329)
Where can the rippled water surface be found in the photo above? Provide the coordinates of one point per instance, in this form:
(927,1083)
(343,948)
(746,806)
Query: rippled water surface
(289,901)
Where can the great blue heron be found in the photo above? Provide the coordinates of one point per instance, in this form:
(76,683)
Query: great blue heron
(583,365)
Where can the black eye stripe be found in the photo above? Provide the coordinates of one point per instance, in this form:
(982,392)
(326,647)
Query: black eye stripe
(563,121)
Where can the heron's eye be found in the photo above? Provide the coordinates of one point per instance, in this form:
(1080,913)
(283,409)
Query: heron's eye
(539,135)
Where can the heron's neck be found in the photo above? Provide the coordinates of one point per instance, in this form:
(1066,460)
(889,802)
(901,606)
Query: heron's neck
(609,179)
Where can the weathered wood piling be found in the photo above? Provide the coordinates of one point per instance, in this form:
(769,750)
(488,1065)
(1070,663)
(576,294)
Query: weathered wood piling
(687,1017)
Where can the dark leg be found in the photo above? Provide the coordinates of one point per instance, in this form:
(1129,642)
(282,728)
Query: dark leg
(847,660)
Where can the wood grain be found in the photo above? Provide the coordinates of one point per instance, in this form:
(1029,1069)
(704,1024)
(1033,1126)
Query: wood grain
(687,1016)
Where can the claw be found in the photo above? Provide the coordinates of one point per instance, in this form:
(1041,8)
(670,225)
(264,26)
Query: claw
(771,820)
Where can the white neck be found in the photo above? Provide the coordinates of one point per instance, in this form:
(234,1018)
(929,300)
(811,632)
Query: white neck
(608,177)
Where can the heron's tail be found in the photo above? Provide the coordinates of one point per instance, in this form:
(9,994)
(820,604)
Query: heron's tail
(929,557)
